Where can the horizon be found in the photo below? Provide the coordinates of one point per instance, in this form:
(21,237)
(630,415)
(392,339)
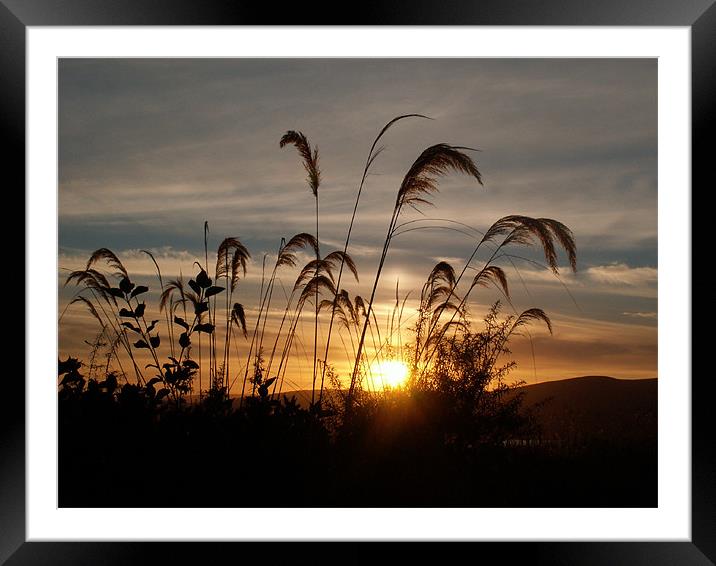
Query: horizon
(307,392)
(558,379)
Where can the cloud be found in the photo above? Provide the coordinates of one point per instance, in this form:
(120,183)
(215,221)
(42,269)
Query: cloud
(622,274)
(611,279)
(650,314)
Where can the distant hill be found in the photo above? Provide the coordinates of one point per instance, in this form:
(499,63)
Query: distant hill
(596,391)
(570,409)
(595,406)
(592,406)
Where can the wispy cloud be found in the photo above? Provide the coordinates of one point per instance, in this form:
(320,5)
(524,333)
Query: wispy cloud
(622,274)
(649,315)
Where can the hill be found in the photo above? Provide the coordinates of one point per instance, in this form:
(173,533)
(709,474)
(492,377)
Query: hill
(595,406)
(587,406)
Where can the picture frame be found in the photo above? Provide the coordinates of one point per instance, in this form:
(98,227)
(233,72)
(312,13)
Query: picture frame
(16,16)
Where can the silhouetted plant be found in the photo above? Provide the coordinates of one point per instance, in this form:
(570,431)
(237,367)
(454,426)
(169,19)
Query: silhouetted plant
(373,154)
(121,310)
(514,230)
(477,404)
(286,257)
(231,259)
(438,297)
(72,380)
(419,182)
(310,163)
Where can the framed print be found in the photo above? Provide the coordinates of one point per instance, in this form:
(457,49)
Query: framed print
(424,275)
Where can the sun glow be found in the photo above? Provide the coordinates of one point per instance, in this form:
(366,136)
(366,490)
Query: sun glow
(389,373)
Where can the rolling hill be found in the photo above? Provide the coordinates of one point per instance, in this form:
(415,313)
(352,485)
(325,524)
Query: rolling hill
(595,406)
(588,406)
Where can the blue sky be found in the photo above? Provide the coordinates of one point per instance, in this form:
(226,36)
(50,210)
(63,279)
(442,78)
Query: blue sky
(150,149)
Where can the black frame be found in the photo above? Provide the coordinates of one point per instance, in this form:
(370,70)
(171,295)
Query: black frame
(15,15)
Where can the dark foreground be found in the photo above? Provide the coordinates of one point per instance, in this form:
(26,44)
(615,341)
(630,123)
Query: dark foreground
(588,451)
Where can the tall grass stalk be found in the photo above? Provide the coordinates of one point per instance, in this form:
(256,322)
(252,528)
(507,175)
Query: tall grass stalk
(419,182)
(518,230)
(231,259)
(166,313)
(310,163)
(253,336)
(373,153)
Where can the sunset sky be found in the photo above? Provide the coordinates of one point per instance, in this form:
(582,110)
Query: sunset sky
(150,149)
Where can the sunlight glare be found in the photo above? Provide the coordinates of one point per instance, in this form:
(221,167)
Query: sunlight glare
(389,373)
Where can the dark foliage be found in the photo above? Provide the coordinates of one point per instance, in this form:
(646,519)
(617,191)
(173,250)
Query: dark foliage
(461,437)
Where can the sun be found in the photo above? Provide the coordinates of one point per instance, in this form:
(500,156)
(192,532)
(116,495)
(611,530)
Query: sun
(389,373)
